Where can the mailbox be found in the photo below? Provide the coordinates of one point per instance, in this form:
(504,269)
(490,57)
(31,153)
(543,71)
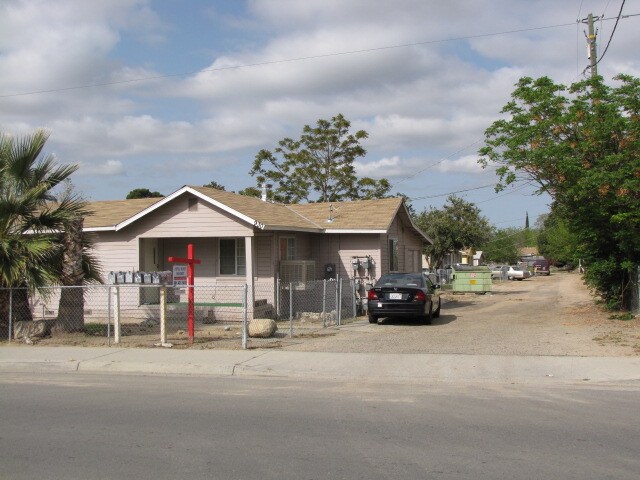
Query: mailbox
(166,277)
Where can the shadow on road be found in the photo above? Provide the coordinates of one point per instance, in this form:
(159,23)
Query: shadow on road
(457,304)
(408,321)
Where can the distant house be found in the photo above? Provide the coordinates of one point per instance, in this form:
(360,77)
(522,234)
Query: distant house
(245,240)
(478,258)
(451,258)
(528,251)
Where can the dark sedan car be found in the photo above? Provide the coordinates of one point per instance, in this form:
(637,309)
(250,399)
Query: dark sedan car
(404,295)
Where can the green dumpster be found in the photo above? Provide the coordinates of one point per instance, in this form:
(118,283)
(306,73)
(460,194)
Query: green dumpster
(470,278)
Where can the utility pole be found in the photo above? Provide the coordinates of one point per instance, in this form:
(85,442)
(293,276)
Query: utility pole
(591,43)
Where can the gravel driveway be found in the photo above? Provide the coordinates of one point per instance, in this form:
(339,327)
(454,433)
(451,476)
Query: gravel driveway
(539,316)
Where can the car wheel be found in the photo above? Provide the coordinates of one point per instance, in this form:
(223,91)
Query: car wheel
(436,314)
(373,319)
(426,319)
(519,279)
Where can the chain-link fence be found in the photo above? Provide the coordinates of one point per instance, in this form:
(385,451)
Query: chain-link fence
(305,309)
(634,286)
(224,316)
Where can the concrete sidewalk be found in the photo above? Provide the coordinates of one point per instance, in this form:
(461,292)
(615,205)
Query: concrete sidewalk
(361,367)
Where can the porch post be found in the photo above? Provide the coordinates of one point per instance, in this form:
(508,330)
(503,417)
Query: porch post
(249,255)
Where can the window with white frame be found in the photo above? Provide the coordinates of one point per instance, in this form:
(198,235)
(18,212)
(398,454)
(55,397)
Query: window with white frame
(232,256)
(287,248)
(393,254)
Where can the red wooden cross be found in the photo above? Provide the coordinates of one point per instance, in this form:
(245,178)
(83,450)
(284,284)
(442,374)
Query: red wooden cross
(191,274)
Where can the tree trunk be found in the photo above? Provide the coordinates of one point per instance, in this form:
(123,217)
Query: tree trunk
(71,307)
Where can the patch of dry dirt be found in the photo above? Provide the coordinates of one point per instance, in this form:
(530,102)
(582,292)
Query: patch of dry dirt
(552,315)
(539,316)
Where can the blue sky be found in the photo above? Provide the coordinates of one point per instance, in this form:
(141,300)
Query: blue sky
(196,109)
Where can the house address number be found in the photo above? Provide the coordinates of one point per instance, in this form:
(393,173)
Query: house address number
(258,224)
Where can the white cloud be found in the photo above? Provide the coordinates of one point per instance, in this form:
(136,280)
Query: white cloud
(420,103)
(466,164)
(108,168)
(385,167)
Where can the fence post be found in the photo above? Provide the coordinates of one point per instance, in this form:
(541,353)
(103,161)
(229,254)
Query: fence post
(244,317)
(109,316)
(116,314)
(353,297)
(10,312)
(324,303)
(290,309)
(337,301)
(636,306)
(278,314)
(163,316)
(339,287)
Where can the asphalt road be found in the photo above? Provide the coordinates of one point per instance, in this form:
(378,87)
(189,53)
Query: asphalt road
(90,426)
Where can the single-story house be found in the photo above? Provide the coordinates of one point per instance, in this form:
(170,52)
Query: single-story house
(478,258)
(247,240)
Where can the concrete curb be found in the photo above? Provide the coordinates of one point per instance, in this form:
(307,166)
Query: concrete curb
(360,367)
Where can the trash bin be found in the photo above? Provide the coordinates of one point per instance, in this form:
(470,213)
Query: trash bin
(471,278)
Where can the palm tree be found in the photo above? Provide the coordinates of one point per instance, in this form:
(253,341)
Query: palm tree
(30,220)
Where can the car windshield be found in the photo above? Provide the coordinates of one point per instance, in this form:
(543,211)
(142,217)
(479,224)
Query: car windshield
(415,280)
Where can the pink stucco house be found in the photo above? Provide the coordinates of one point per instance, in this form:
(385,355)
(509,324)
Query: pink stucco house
(241,239)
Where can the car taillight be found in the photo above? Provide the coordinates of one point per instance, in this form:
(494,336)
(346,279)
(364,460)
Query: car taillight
(419,296)
(372,295)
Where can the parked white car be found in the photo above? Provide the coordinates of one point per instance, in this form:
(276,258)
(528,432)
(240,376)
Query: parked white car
(517,273)
(498,271)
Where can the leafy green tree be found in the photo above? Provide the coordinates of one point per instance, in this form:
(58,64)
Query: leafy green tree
(252,192)
(456,226)
(582,146)
(143,193)
(317,167)
(30,251)
(213,184)
(502,246)
(556,242)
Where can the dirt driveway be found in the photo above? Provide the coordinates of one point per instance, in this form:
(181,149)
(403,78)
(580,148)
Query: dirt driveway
(539,316)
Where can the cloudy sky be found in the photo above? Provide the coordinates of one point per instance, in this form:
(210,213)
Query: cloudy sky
(163,93)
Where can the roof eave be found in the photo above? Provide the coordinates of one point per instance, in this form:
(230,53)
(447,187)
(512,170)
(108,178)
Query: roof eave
(112,228)
(176,194)
(281,228)
(355,230)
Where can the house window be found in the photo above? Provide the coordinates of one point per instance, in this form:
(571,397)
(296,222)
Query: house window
(287,248)
(232,256)
(393,254)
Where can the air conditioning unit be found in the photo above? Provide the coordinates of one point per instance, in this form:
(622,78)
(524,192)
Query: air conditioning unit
(298,272)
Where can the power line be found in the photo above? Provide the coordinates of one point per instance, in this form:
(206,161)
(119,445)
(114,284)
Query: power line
(612,32)
(408,177)
(290,60)
(451,193)
(510,192)
(592,38)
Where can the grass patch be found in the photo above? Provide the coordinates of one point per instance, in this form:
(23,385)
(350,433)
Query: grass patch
(95,329)
(622,316)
